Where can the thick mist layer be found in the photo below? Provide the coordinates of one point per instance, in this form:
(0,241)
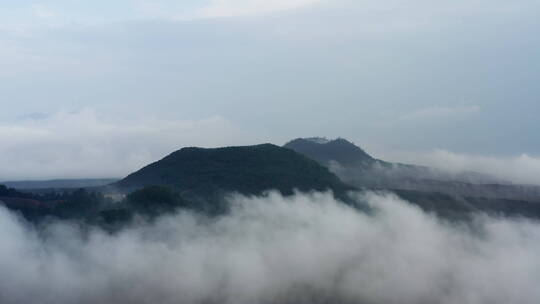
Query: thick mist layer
(71,144)
(304,249)
(521,169)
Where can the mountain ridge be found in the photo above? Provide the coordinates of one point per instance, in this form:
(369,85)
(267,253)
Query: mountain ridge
(325,151)
(245,169)
(199,179)
(354,166)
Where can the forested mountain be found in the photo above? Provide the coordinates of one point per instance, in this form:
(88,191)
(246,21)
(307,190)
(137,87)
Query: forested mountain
(354,166)
(247,170)
(326,151)
(454,195)
(200,179)
(194,178)
(58,183)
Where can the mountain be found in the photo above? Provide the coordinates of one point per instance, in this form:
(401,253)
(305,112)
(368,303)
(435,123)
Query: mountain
(193,178)
(198,179)
(345,157)
(354,166)
(207,173)
(351,163)
(325,151)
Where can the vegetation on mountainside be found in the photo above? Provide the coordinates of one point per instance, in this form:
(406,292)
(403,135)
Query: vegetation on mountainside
(192,178)
(198,179)
(197,172)
(341,150)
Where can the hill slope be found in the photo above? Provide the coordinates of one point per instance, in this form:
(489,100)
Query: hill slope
(325,151)
(354,166)
(59,183)
(193,178)
(198,172)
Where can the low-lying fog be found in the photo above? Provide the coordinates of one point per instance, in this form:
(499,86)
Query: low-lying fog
(303,249)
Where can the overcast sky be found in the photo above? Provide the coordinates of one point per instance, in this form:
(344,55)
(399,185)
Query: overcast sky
(99,88)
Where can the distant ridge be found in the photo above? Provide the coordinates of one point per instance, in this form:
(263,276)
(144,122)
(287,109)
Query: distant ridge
(325,151)
(354,166)
(198,179)
(192,178)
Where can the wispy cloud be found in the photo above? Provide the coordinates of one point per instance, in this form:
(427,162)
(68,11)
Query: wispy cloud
(84,144)
(440,112)
(42,11)
(234,8)
(523,168)
(301,249)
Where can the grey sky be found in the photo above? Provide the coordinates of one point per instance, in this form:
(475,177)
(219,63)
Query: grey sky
(390,75)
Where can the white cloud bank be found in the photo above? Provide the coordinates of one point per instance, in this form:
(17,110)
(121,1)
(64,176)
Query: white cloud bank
(83,144)
(304,249)
(523,169)
(438,112)
(42,11)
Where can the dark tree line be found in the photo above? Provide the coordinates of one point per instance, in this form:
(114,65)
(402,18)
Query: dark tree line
(92,207)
